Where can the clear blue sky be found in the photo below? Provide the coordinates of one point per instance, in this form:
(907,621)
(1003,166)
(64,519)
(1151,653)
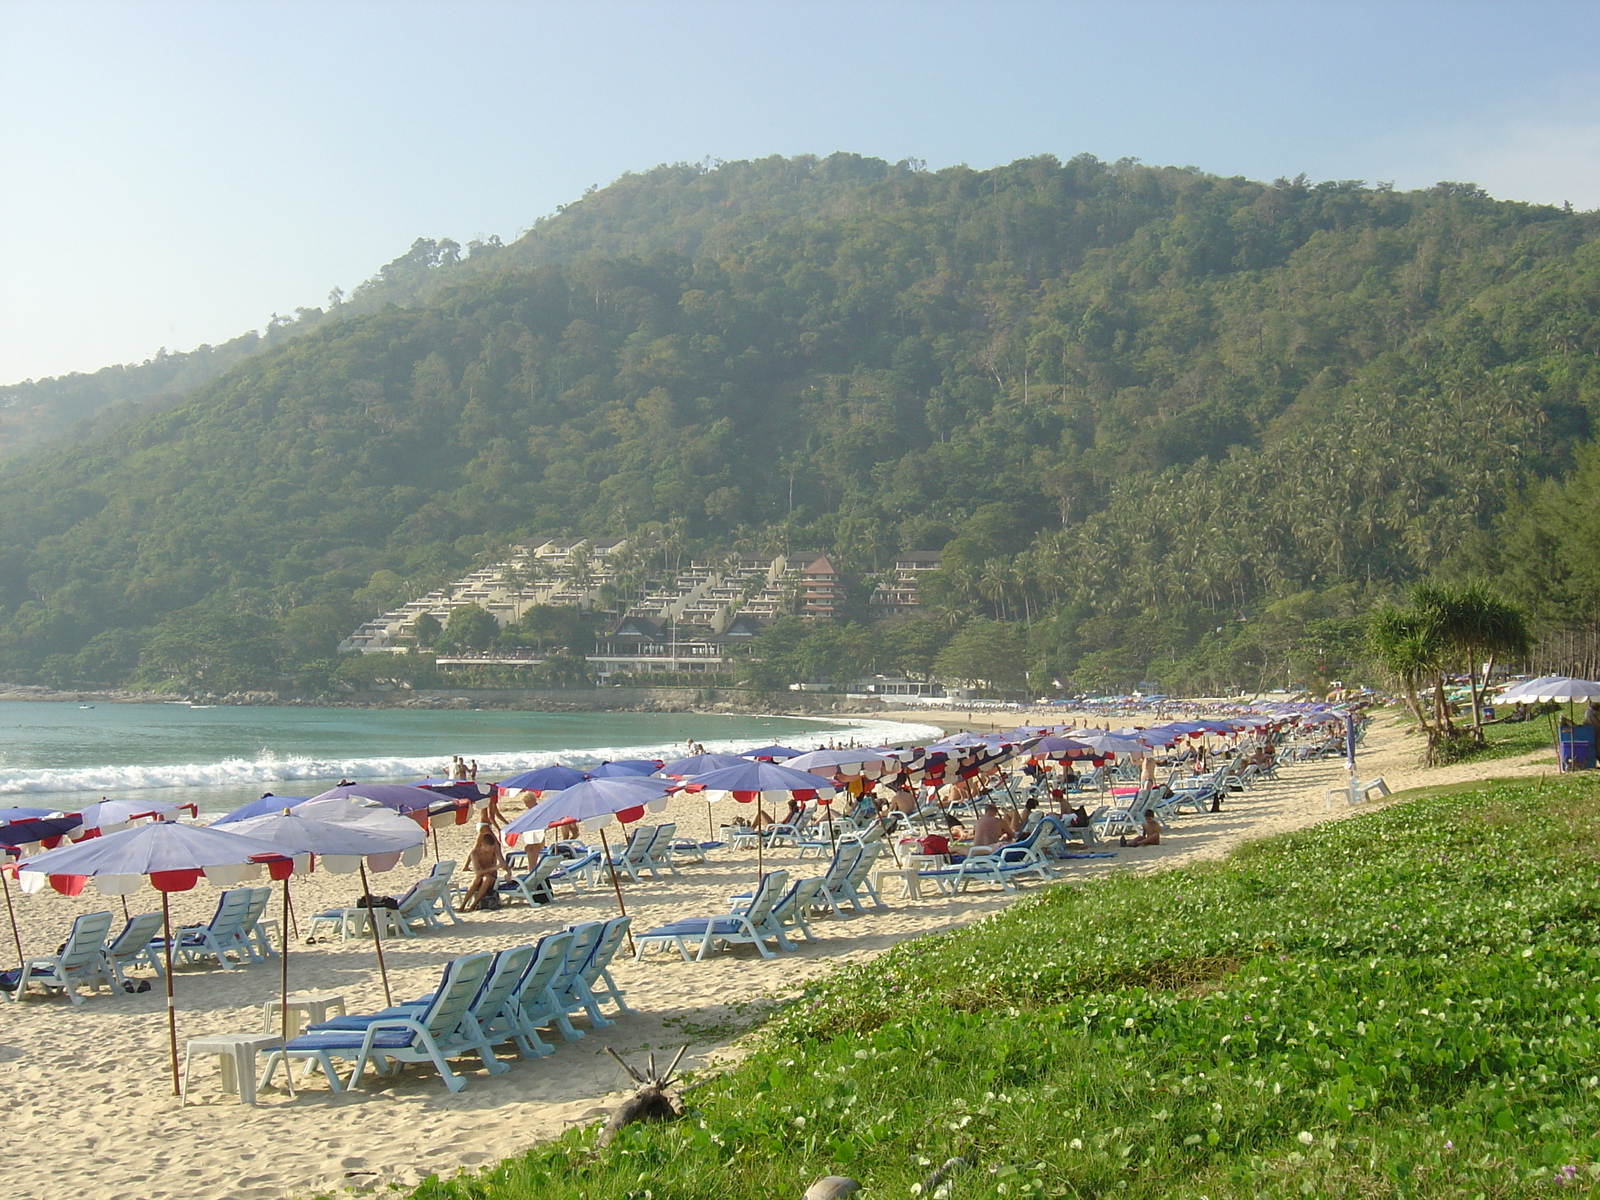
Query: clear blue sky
(172,173)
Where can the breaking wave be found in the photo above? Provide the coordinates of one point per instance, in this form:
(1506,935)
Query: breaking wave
(270,768)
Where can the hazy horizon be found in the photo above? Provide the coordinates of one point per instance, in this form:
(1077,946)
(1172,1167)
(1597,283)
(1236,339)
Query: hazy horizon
(177,171)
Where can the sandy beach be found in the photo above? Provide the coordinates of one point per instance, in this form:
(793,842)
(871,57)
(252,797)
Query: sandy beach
(88,1103)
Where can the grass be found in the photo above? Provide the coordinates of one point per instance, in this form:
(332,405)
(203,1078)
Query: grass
(1402,1004)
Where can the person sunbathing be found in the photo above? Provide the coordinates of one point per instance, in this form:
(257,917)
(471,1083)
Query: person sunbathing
(1151,835)
(486,861)
(990,828)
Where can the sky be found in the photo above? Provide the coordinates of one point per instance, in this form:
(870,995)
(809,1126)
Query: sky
(173,172)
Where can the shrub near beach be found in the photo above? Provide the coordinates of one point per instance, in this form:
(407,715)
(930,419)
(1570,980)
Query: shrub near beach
(1406,1003)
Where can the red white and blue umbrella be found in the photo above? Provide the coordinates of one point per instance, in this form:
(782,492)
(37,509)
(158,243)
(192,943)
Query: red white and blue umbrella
(171,856)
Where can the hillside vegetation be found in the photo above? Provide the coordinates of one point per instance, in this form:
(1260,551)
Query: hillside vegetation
(1166,424)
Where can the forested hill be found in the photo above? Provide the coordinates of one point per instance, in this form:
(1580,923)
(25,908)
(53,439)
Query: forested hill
(680,207)
(1133,404)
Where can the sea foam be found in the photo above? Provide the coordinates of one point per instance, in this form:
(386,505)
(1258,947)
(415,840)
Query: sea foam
(269,768)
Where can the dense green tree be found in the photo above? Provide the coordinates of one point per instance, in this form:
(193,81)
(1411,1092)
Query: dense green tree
(470,627)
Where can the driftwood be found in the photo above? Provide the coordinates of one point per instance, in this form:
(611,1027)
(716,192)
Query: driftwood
(654,1101)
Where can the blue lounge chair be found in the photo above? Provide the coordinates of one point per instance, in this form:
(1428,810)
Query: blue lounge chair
(753,925)
(441,1031)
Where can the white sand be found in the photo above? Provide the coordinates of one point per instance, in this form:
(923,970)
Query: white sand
(87,1096)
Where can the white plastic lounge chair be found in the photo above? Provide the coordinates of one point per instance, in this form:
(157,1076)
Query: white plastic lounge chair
(634,856)
(423,901)
(81,961)
(443,1030)
(132,946)
(659,855)
(445,869)
(834,891)
(223,935)
(532,887)
(252,937)
(753,926)
(857,886)
(536,995)
(595,973)
(570,990)
(514,1021)
(792,908)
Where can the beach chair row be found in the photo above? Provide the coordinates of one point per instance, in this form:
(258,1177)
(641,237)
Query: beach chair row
(483,1001)
(89,957)
(775,909)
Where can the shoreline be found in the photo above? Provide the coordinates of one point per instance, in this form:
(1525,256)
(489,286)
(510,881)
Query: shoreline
(400,1133)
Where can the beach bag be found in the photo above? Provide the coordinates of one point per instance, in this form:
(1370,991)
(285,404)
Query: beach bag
(489,902)
(371,901)
(10,979)
(1216,804)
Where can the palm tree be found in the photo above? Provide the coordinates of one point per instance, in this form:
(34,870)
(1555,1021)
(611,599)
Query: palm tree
(1476,622)
(1407,643)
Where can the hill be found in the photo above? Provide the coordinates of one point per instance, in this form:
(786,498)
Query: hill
(1165,422)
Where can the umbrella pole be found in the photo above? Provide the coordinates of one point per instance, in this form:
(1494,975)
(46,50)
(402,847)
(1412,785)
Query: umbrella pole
(172,1012)
(283,981)
(12,913)
(615,886)
(711,825)
(294,925)
(760,838)
(124,900)
(435,833)
(377,937)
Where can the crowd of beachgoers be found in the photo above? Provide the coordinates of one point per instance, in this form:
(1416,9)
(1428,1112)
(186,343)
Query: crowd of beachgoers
(537,920)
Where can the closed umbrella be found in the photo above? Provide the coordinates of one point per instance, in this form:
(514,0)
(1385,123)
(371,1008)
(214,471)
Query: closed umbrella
(172,857)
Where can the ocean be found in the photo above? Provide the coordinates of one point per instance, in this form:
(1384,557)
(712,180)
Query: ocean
(65,755)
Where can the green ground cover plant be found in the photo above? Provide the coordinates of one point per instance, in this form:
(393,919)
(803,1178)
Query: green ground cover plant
(1406,1003)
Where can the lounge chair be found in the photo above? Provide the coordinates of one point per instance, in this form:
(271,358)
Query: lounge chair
(834,890)
(858,882)
(532,887)
(132,946)
(81,960)
(634,856)
(445,869)
(538,995)
(570,991)
(252,937)
(424,901)
(531,1003)
(753,925)
(593,981)
(792,907)
(659,854)
(442,1030)
(219,937)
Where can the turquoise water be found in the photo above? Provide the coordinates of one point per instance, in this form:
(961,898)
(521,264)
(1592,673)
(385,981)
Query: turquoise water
(61,755)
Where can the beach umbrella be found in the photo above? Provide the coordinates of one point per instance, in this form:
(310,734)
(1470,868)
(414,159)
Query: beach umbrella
(109,816)
(259,808)
(1108,743)
(342,847)
(770,753)
(543,779)
(758,781)
(592,805)
(398,796)
(1559,689)
(1058,748)
(829,763)
(172,857)
(625,768)
(24,826)
(699,764)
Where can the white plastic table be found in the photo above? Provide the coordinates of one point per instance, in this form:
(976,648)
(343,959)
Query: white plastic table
(238,1054)
(305,1008)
